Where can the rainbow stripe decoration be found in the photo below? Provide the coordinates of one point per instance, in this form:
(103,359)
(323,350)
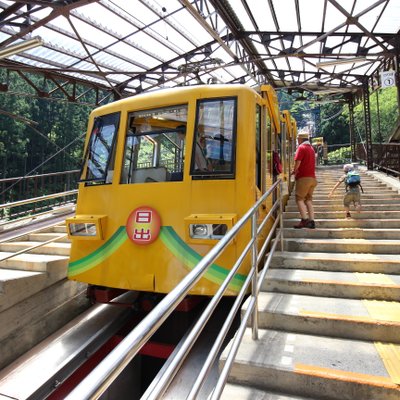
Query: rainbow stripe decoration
(175,245)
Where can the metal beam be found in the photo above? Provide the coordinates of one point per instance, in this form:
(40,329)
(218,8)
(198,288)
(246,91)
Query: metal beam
(367,122)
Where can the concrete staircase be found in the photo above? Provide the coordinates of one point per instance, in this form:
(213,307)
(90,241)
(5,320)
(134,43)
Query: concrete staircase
(36,299)
(329,312)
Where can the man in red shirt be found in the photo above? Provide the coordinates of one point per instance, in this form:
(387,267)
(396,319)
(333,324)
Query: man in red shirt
(304,172)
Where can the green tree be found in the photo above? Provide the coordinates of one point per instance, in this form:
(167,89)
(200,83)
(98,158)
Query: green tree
(334,124)
(24,146)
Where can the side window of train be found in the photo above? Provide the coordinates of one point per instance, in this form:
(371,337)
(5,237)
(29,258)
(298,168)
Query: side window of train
(155,145)
(100,153)
(213,155)
(258,148)
(269,145)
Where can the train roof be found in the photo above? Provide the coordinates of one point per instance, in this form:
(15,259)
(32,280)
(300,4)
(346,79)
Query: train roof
(211,90)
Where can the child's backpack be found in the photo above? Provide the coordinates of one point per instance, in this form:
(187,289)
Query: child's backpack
(353,179)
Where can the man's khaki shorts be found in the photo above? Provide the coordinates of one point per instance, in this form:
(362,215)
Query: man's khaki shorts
(305,188)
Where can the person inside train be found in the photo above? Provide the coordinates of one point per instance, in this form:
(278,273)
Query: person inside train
(201,162)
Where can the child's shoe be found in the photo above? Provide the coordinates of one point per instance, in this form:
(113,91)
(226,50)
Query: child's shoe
(310,224)
(302,224)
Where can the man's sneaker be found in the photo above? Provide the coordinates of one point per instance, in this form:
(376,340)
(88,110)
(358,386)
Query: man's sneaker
(302,224)
(310,224)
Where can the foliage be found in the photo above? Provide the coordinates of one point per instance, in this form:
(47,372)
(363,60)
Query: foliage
(332,119)
(388,114)
(34,130)
(334,125)
(340,156)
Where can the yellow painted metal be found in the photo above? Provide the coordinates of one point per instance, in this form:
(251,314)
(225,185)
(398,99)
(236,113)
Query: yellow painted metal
(273,105)
(287,120)
(318,140)
(116,261)
(98,220)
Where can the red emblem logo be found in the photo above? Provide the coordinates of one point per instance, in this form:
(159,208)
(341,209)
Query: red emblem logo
(143,225)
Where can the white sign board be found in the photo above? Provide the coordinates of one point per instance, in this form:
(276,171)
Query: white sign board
(388,79)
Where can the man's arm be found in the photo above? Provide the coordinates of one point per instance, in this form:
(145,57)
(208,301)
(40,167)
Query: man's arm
(296,167)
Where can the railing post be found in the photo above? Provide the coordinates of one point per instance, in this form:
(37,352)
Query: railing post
(254,282)
(353,139)
(367,121)
(281,215)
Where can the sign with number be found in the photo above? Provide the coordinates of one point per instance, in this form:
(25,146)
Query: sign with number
(143,225)
(388,79)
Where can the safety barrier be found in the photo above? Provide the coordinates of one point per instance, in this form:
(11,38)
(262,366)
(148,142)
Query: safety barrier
(28,209)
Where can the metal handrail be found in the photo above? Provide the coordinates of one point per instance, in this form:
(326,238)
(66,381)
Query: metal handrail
(37,199)
(66,207)
(23,251)
(97,382)
(392,171)
(36,176)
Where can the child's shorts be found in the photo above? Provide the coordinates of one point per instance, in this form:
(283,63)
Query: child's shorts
(351,197)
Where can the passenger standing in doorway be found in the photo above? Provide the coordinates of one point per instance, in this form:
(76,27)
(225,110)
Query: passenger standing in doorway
(304,172)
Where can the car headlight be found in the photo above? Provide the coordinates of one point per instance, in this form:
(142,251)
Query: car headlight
(199,230)
(82,229)
(207,231)
(86,227)
(207,228)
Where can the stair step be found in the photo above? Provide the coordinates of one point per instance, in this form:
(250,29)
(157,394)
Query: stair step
(38,306)
(339,207)
(381,194)
(327,316)
(354,222)
(315,366)
(338,262)
(58,248)
(18,285)
(354,285)
(339,200)
(343,233)
(232,391)
(341,190)
(44,236)
(376,246)
(58,229)
(33,262)
(340,214)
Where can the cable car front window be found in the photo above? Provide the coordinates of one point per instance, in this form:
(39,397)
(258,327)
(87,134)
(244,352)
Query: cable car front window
(154,145)
(100,153)
(213,154)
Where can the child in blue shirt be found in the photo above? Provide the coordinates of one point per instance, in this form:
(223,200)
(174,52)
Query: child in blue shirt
(353,194)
